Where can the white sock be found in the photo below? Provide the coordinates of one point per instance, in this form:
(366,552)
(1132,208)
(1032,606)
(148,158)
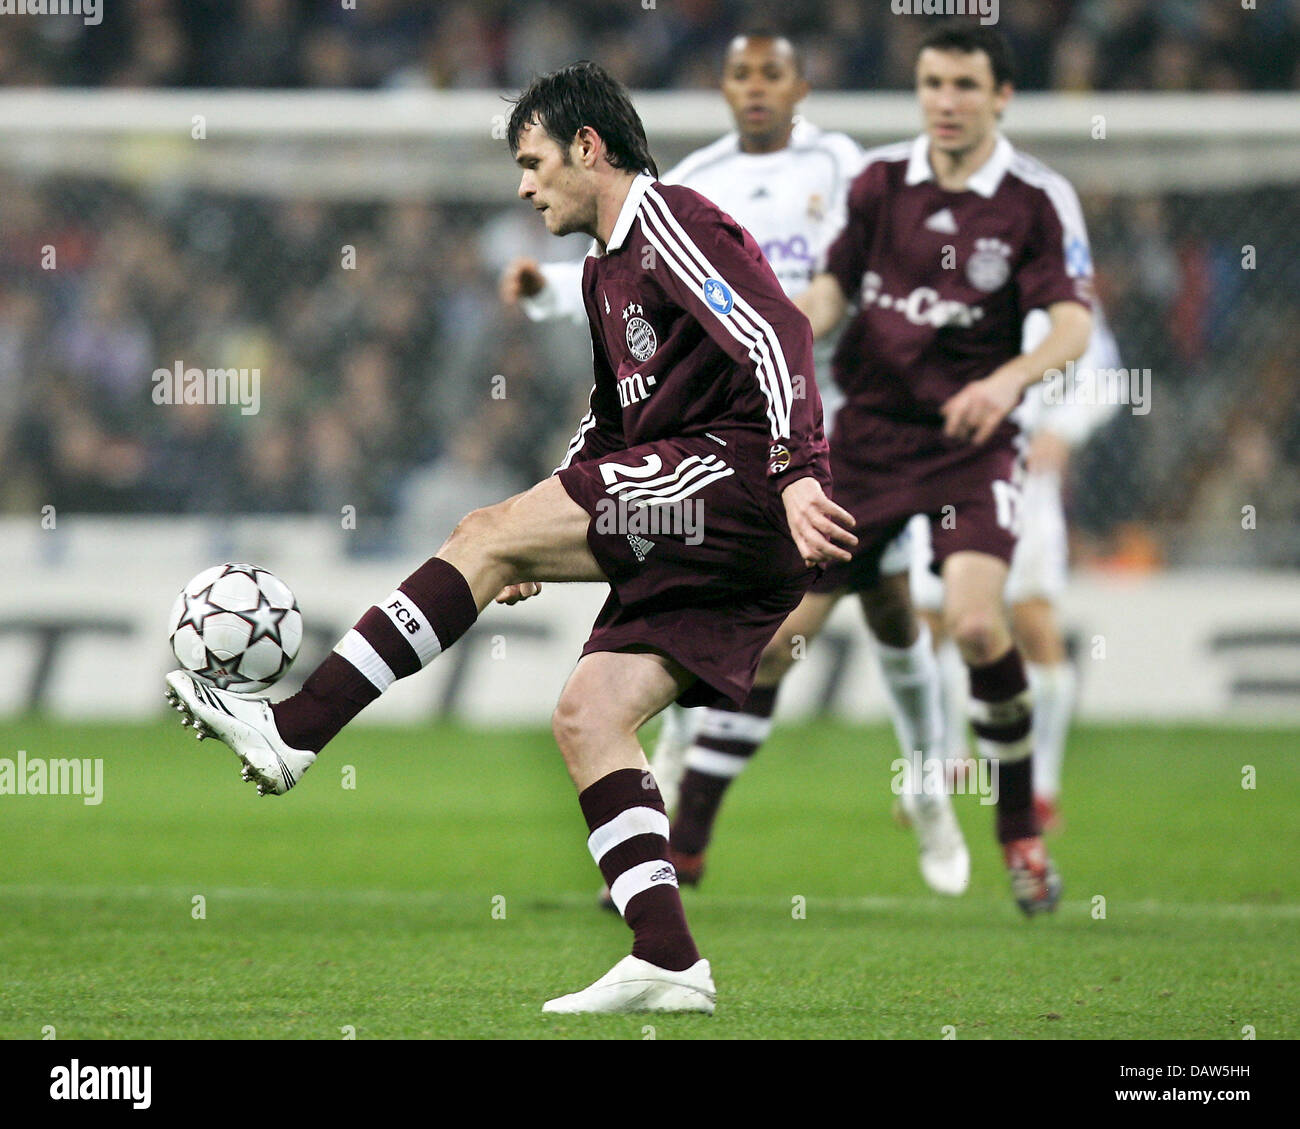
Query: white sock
(1053,692)
(911,680)
(668,762)
(956,694)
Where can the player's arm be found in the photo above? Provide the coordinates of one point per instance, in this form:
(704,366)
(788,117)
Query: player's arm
(1064,424)
(975,412)
(544,292)
(823,304)
(1055,275)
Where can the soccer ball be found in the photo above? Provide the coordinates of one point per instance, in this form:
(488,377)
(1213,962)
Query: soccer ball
(236,626)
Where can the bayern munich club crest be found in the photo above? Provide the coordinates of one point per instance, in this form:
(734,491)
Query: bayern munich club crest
(641,339)
(989,267)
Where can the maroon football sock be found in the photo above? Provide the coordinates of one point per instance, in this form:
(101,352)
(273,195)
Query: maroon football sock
(1002,718)
(429,611)
(629,841)
(727,739)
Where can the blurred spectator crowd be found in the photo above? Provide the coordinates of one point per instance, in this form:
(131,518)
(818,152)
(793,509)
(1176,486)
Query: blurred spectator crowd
(375,331)
(394,382)
(1074,45)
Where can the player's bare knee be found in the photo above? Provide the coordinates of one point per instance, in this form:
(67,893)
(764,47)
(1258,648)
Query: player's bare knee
(579,723)
(979,634)
(474,528)
(568,723)
(484,532)
(891,621)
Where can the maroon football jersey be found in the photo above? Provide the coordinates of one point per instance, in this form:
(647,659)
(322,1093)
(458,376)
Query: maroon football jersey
(692,335)
(943,280)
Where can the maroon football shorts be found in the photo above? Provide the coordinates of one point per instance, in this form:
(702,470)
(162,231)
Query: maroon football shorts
(886,471)
(700,560)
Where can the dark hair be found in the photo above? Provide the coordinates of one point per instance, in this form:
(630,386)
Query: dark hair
(968,38)
(584,94)
(768,32)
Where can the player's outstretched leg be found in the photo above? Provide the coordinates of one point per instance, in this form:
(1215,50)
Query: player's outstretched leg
(538,535)
(607,699)
(1002,718)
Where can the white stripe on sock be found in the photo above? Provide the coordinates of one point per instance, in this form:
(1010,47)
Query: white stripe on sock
(1004,712)
(355,649)
(624,826)
(412,625)
(727,725)
(639,878)
(713,763)
(1006,753)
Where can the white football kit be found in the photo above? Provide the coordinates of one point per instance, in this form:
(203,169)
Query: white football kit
(792,201)
(1039,562)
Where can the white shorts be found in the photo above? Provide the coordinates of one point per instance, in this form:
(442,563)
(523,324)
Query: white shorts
(1038,566)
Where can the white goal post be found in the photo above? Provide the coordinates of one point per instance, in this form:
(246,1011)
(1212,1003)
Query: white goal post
(448,145)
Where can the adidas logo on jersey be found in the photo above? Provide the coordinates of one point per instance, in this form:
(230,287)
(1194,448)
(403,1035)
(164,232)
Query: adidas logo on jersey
(640,546)
(942,221)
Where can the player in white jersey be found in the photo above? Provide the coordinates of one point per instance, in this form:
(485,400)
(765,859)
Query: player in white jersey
(786,182)
(1053,426)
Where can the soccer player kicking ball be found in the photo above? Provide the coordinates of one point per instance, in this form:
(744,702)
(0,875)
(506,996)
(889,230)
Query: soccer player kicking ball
(697,355)
(786,182)
(950,240)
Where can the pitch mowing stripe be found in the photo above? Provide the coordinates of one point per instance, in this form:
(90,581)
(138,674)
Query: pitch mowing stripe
(569,899)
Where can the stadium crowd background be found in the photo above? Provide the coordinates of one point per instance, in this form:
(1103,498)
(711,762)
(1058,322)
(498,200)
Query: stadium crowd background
(402,387)
(848,44)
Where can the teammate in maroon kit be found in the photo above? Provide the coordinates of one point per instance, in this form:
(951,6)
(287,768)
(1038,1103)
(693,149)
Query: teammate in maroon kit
(704,397)
(950,241)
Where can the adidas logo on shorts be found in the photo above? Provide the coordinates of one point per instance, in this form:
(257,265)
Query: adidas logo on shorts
(640,546)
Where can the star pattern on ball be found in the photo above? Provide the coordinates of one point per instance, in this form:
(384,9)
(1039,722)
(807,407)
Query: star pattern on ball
(264,620)
(197,608)
(248,570)
(222,673)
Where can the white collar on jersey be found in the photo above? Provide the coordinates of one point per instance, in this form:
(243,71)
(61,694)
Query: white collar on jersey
(627,214)
(984,180)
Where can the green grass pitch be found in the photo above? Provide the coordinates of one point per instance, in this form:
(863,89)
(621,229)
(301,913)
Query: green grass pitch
(449,893)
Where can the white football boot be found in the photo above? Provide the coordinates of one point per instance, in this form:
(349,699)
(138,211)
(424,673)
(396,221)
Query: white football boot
(668,761)
(246,725)
(636,985)
(945,860)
